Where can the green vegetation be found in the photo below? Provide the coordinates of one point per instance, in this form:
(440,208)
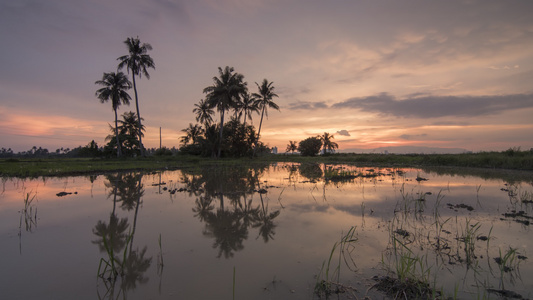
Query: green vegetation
(328,280)
(486,164)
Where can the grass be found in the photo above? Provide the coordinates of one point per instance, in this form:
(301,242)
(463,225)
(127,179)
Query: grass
(516,160)
(110,268)
(328,279)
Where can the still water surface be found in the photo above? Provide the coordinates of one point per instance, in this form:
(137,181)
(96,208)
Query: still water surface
(263,233)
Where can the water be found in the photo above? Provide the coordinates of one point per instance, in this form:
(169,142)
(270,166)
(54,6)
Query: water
(272,229)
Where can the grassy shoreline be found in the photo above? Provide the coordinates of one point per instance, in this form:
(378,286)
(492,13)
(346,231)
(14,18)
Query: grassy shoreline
(29,167)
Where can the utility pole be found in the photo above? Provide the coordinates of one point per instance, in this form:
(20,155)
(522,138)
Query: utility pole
(159,137)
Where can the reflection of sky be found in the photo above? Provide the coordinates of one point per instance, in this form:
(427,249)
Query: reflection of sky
(313,216)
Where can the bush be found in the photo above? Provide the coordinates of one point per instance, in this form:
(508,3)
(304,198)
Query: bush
(163,152)
(310,146)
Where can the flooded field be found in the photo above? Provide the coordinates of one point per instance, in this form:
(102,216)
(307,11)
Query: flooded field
(286,231)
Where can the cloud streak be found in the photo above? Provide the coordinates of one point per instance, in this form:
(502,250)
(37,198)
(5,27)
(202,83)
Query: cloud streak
(437,106)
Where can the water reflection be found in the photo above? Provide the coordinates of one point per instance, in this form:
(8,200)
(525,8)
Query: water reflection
(115,238)
(229,223)
(469,234)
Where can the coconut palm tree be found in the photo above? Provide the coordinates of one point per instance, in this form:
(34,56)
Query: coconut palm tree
(264,98)
(137,61)
(224,93)
(204,113)
(248,105)
(292,146)
(115,87)
(327,143)
(192,133)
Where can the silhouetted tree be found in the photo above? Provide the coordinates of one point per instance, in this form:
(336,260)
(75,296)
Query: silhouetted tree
(264,98)
(224,93)
(137,61)
(115,89)
(310,146)
(292,146)
(192,133)
(204,113)
(327,142)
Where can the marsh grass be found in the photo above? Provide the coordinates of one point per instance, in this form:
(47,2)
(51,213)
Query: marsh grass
(410,274)
(468,238)
(111,267)
(29,212)
(508,263)
(328,279)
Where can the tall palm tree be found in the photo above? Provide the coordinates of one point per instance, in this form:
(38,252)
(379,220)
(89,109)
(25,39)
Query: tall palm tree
(224,93)
(115,87)
(137,61)
(204,113)
(265,95)
(327,142)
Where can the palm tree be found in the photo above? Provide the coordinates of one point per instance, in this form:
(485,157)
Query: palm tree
(127,131)
(203,112)
(265,95)
(115,87)
(192,133)
(224,93)
(248,105)
(137,61)
(292,146)
(327,143)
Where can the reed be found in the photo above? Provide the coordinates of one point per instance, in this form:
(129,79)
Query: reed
(328,280)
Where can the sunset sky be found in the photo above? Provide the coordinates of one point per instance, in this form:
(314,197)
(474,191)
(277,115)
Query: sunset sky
(451,74)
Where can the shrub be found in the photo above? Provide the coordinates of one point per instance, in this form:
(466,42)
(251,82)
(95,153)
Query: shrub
(310,146)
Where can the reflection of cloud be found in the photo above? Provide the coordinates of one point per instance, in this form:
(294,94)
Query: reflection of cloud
(438,106)
(343,132)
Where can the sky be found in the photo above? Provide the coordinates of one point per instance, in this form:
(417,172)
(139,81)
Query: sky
(380,73)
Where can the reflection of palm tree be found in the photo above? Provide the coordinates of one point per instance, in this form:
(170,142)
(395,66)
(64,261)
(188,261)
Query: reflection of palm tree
(203,207)
(228,231)
(247,213)
(114,233)
(266,222)
(134,268)
(137,61)
(130,190)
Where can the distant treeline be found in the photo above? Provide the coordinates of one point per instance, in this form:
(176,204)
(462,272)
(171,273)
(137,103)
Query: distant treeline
(91,150)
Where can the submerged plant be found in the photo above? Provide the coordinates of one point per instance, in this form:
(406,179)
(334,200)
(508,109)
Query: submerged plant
(328,283)
(468,238)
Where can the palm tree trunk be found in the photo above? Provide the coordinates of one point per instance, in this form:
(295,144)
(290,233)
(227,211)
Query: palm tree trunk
(119,150)
(259,131)
(138,114)
(220,135)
